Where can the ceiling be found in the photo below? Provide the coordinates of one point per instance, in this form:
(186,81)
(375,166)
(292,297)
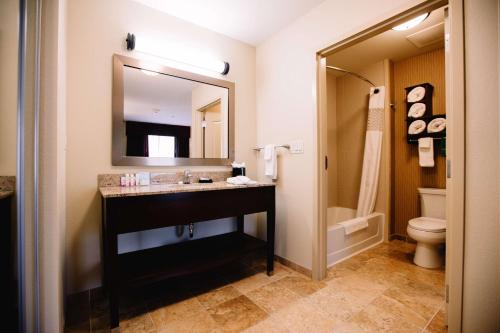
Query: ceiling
(250,21)
(161,99)
(393,45)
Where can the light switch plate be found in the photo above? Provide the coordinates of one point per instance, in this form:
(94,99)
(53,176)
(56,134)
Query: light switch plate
(297,147)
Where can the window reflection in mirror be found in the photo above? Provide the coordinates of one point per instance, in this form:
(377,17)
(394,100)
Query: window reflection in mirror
(168,116)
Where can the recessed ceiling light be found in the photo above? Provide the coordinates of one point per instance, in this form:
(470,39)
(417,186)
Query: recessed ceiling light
(411,23)
(150,73)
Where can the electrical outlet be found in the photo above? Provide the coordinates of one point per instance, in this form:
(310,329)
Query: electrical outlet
(297,147)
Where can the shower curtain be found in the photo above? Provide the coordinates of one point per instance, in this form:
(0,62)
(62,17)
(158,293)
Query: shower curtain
(373,148)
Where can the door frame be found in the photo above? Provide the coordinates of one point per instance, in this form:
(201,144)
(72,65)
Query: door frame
(455,145)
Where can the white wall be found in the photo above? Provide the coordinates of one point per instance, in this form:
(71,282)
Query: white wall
(96,30)
(481,294)
(286,107)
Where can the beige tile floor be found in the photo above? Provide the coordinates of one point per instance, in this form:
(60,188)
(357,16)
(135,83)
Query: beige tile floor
(379,290)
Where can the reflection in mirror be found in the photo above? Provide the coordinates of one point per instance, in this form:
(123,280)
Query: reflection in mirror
(171,117)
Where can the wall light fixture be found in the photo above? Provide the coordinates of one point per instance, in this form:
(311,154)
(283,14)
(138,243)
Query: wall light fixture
(174,53)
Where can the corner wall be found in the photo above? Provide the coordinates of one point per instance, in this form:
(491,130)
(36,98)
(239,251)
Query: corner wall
(481,289)
(287,109)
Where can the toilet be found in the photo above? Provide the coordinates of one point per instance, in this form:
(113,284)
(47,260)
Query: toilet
(429,230)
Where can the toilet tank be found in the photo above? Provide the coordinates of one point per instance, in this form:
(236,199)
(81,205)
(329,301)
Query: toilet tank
(433,202)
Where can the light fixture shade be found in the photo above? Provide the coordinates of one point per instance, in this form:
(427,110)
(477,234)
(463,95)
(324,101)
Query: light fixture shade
(176,53)
(411,23)
(149,73)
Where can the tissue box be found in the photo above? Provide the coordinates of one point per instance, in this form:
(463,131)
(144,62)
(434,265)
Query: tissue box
(239,171)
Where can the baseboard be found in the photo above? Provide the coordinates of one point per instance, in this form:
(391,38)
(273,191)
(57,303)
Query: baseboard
(296,267)
(403,238)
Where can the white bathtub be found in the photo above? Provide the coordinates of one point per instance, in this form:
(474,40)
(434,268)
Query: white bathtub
(341,246)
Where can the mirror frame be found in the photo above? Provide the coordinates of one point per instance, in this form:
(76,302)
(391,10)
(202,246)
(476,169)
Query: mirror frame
(119,139)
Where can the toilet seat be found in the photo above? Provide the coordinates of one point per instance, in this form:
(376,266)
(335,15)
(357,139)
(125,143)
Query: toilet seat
(428,224)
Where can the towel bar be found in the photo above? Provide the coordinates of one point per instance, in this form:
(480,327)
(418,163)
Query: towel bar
(416,140)
(277,146)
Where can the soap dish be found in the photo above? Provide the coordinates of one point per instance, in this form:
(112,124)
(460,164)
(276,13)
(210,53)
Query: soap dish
(205,180)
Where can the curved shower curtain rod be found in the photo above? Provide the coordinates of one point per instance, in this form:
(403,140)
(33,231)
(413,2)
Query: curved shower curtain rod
(352,73)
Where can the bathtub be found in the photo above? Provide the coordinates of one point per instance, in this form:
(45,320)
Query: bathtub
(341,246)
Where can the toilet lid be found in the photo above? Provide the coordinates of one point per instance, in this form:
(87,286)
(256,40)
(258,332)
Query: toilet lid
(428,224)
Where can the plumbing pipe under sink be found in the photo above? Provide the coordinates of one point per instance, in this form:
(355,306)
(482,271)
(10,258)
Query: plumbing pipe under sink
(179,230)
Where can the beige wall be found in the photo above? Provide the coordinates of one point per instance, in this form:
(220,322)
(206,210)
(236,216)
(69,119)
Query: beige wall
(52,165)
(8,85)
(332,172)
(408,175)
(96,30)
(481,294)
(286,108)
(352,96)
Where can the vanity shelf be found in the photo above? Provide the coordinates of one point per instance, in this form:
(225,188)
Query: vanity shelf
(128,210)
(152,265)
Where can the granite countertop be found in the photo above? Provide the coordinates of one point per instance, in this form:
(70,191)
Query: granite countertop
(5,193)
(119,191)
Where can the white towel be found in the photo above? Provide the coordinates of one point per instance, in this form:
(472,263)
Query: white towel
(436,125)
(426,152)
(355,224)
(417,110)
(416,127)
(240,180)
(270,161)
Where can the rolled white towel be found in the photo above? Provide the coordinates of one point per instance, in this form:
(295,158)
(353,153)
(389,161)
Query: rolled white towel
(436,125)
(416,94)
(417,110)
(416,127)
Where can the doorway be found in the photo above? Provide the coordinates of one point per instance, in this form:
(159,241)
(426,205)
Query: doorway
(452,149)
(212,130)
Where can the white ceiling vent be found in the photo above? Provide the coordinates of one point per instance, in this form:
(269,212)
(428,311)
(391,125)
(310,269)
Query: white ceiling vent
(427,36)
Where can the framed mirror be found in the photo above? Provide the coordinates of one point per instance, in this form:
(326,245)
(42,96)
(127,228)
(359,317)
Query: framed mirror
(164,116)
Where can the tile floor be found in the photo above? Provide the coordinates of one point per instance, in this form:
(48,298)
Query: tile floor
(379,290)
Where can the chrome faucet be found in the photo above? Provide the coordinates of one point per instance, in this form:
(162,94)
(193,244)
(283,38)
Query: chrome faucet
(187,177)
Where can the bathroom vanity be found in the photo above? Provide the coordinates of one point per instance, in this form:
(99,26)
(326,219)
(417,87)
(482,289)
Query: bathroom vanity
(195,130)
(132,209)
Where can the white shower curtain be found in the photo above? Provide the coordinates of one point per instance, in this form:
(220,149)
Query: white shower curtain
(371,159)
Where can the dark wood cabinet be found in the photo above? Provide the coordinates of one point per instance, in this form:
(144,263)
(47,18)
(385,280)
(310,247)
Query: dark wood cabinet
(124,214)
(7,283)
